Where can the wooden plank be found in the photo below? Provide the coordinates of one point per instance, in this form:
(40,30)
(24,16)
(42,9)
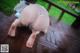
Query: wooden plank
(49,7)
(76,22)
(49,2)
(60,17)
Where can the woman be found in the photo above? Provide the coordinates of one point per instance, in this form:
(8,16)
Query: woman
(36,17)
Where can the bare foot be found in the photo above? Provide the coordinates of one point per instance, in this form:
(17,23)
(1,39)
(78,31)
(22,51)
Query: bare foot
(30,42)
(32,38)
(12,32)
(12,29)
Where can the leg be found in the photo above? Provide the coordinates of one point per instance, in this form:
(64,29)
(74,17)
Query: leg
(31,39)
(13,27)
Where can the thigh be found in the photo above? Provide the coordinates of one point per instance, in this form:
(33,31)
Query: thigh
(41,23)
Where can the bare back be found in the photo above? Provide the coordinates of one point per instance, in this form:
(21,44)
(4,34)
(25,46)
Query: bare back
(35,15)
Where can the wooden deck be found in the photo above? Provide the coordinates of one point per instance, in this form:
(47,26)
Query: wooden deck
(17,44)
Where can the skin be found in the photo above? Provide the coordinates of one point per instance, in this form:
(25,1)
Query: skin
(35,16)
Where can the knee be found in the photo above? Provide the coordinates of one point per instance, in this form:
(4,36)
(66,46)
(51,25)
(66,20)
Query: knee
(16,22)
